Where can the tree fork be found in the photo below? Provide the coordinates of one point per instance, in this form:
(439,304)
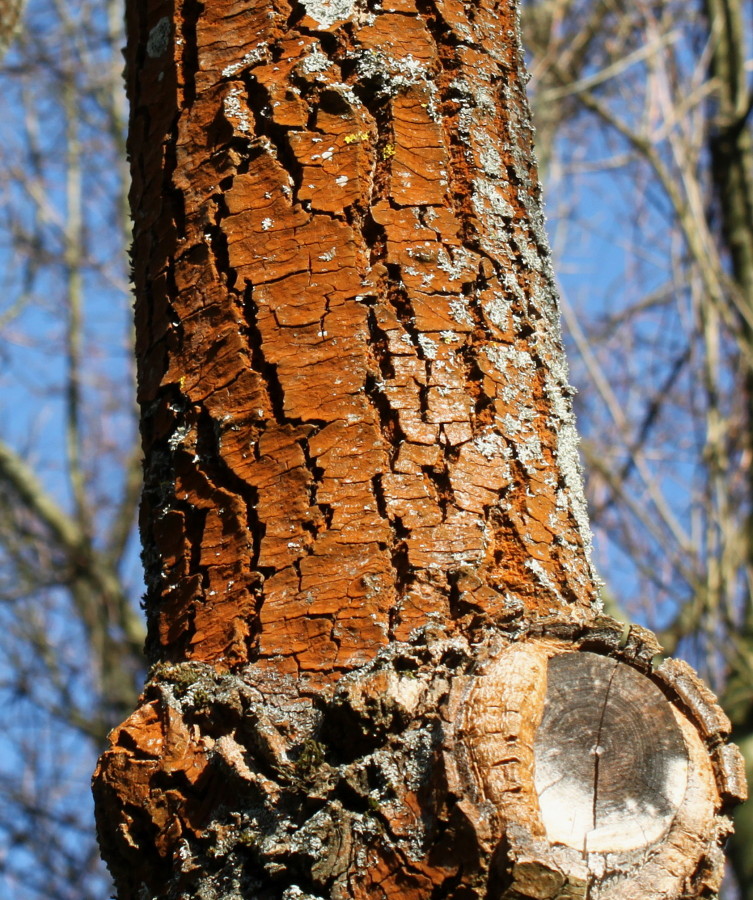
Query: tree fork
(379,669)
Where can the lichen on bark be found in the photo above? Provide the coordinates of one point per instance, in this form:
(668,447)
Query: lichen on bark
(350,366)
(361,475)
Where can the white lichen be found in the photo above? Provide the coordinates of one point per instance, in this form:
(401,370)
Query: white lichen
(498,308)
(251,58)
(461,266)
(491,444)
(533,565)
(327,12)
(460,312)
(488,202)
(393,74)
(235,109)
(178,436)
(428,346)
(314,62)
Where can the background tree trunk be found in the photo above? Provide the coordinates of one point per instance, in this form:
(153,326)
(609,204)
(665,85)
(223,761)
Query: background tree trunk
(364,531)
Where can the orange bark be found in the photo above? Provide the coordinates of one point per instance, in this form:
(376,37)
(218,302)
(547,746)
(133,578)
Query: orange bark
(361,477)
(350,369)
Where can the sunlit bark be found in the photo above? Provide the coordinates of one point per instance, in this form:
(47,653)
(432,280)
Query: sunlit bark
(365,539)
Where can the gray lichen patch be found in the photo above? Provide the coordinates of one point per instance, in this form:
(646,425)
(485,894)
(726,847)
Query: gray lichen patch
(314,62)
(307,791)
(328,12)
(569,464)
(295,893)
(159,38)
(393,74)
(236,111)
(254,56)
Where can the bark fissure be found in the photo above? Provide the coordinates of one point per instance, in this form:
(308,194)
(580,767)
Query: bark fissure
(422,379)
(597,751)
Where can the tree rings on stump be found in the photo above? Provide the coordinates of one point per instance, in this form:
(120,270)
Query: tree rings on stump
(611,766)
(590,774)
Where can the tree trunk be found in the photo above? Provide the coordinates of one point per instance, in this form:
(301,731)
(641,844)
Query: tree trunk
(731,145)
(379,666)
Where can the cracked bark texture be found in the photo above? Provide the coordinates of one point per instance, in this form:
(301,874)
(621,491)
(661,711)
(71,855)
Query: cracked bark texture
(350,368)
(362,490)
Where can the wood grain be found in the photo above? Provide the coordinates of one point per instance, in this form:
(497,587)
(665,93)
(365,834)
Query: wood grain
(610,760)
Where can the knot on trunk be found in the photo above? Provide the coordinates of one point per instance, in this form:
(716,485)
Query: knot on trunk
(546,760)
(607,778)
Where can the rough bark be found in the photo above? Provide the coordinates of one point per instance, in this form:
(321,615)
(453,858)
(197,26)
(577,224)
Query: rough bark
(731,145)
(364,532)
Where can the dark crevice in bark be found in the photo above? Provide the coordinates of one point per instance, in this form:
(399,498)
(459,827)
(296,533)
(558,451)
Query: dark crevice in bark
(500,872)
(260,103)
(378,345)
(458,608)
(452,888)
(388,417)
(328,41)
(379,110)
(483,404)
(222,476)
(373,237)
(317,476)
(397,297)
(327,512)
(378,490)
(195,522)
(332,101)
(440,478)
(219,244)
(192,10)
(405,574)
(169,191)
(267,370)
